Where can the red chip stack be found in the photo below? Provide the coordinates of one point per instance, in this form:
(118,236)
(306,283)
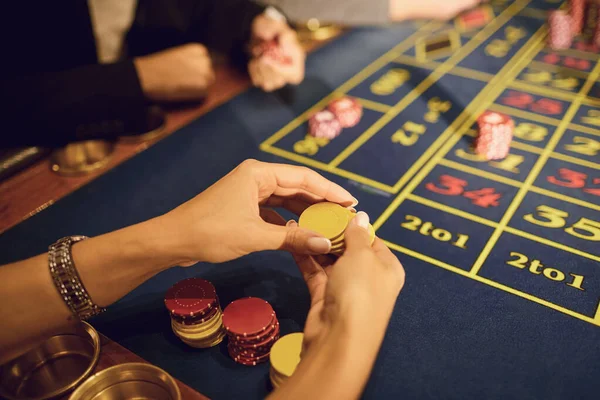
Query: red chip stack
(560,34)
(252,328)
(494,136)
(272,50)
(195,313)
(347,110)
(324,124)
(577,12)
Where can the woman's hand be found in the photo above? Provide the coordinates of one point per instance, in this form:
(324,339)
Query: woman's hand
(231,218)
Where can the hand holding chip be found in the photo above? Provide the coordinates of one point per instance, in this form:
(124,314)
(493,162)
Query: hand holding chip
(278,58)
(231,218)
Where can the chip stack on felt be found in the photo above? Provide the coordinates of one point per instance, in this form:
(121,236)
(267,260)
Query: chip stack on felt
(494,135)
(252,328)
(345,112)
(285,357)
(577,12)
(560,31)
(330,220)
(196,316)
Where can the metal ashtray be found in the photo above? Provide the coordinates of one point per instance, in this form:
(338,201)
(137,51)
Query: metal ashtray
(53,368)
(128,381)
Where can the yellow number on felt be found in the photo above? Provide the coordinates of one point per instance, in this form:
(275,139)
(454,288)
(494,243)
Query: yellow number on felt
(405,139)
(553,218)
(510,163)
(520,262)
(531,132)
(497,48)
(593,117)
(567,82)
(390,81)
(538,76)
(412,223)
(437,105)
(514,34)
(592,228)
(584,145)
(309,145)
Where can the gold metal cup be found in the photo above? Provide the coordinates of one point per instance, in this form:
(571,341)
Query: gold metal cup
(82,157)
(129,381)
(53,368)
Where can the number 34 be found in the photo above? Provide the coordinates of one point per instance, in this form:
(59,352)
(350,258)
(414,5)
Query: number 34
(552,218)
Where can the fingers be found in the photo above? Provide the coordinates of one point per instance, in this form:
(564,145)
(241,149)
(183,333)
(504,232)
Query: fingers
(294,239)
(271,216)
(356,235)
(294,205)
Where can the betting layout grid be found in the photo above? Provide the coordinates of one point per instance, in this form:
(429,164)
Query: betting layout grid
(528,224)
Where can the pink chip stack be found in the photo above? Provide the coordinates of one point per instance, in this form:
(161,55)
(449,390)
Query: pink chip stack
(495,135)
(345,112)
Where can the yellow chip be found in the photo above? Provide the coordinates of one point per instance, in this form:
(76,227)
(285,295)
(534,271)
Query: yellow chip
(285,354)
(327,219)
(202,335)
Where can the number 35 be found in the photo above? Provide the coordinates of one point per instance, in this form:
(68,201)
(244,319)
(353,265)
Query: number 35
(553,218)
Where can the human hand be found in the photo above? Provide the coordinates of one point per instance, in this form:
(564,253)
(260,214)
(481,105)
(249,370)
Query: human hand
(358,291)
(266,72)
(231,218)
(183,73)
(401,10)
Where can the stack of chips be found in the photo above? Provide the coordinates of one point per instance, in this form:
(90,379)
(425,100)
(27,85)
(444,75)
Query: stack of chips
(494,135)
(344,112)
(330,220)
(577,12)
(196,316)
(252,328)
(560,33)
(285,357)
(273,50)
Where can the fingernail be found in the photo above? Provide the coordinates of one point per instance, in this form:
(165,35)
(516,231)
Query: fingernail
(291,222)
(352,209)
(319,245)
(354,202)
(361,219)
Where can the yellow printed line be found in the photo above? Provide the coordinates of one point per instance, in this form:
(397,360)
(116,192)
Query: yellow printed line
(550,243)
(451,210)
(527,296)
(428,82)
(319,165)
(578,161)
(584,129)
(479,172)
(535,13)
(348,85)
(515,112)
(491,91)
(535,171)
(565,198)
(597,316)
(576,53)
(539,65)
(373,105)
(543,90)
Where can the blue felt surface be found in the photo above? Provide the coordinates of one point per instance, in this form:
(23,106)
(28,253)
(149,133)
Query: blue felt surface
(450,337)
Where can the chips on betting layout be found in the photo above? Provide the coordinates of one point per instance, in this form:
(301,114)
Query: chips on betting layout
(196,316)
(330,220)
(577,12)
(325,125)
(273,50)
(347,110)
(560,32)
(252,328)
(495,134)
(285,357)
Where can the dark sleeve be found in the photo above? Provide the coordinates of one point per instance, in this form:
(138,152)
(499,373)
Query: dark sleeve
(221,25)
(89,102)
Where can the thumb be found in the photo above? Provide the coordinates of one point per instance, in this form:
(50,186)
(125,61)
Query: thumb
(356,235)
(295,239)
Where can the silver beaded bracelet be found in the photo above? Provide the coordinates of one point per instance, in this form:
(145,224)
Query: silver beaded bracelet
(67,280)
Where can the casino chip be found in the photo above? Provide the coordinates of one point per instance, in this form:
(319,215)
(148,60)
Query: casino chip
(330,220)
(494,135)
(271,49)
(252,328)
(347,110)
(325,125)
(577,13)
(560,33)
(285,357)
(196,316)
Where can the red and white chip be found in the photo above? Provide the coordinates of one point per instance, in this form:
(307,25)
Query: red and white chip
(560,32)
(272,50)
(347,110)
(577,12)
(494,136)
(324,124)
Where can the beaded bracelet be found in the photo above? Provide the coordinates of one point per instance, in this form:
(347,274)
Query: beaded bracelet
(67,280)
